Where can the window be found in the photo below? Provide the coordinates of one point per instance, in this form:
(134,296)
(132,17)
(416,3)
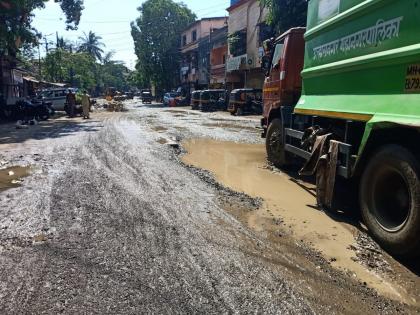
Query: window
(184,40)
(224,59)
(277,55)
(194,35)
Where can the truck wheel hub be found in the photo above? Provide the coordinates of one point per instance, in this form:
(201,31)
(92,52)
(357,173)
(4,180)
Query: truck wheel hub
(391,200)
(275,142)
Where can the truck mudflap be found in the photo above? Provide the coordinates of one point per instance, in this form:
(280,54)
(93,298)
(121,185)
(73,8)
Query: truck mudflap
(324,161)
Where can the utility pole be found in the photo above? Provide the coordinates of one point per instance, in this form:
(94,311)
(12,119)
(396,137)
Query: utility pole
(39,62)
(46,44)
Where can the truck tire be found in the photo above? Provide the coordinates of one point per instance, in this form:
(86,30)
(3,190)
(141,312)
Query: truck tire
(390,200)
(274,144)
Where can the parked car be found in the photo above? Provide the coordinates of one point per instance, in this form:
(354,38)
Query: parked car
(181,101)
(168,97)
(195,99)
(129,95)
(245,101)
(56,96)
(146,97)
(213,100)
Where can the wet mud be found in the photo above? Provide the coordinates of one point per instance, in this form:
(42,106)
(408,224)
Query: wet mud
(180,113)
(159,128)
(242,167)
(12,177)
(162,141)
(231,126)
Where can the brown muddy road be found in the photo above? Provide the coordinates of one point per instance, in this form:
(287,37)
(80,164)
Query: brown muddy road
(111,221)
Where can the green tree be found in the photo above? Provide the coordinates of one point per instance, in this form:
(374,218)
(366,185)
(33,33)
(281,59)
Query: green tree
(156,35)
(63,44)
(91,44)
(107,59)
(285,14)
(114,74)
(16,19)
(81,70)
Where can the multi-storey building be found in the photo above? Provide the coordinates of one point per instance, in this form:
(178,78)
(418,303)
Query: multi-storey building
(218,54)
(246,32)
(195,50)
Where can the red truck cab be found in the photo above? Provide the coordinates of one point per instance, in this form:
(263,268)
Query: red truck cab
(283,61)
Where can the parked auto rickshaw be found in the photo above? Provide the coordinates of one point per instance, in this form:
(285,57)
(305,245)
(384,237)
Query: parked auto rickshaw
(213,100)
(130,95)
(195,99)
(146,97)
(245,101)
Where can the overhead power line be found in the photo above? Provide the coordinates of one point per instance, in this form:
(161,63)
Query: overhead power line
(92,22)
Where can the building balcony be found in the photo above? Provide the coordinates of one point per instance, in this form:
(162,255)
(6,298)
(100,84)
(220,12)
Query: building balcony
(218,70)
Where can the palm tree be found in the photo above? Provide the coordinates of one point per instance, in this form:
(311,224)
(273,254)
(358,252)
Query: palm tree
(63,44)
(91,44)
(108,57)
(108,61)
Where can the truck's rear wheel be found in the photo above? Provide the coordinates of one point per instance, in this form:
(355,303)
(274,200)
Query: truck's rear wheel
(390,200)
(274,144)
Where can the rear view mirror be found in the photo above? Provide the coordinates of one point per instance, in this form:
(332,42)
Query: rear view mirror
(265,63)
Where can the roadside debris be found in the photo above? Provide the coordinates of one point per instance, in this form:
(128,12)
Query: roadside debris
(115,106)
(370,254)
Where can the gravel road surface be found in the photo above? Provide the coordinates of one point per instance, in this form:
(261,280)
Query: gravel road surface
(111,222)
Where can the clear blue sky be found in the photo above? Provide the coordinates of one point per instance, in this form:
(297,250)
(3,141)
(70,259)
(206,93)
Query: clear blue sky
(111,20)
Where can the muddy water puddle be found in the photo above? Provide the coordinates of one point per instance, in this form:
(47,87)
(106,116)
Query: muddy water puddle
(12,177)
(159,128)
(182,112)
(242,167)
(230,126)
(162,141)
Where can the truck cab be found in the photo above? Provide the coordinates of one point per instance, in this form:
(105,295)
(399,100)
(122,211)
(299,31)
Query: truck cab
(283,63)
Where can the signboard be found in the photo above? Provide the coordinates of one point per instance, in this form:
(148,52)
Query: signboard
(184,70)
(372,36)
(234,63)
(328,8)
(17,76)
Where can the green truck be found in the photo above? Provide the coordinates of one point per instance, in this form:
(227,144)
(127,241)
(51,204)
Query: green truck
(354,110)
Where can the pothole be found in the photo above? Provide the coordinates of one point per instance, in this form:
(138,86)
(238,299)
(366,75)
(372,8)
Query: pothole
(242,167)
(12,177)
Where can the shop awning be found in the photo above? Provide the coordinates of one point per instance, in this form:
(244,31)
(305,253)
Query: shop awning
(30,79)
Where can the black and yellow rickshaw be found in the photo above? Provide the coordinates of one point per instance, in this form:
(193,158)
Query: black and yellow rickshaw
(195,99)
(213,100)
(245,101)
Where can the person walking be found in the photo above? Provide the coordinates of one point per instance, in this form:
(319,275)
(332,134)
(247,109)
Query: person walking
(71,103)
(86,105)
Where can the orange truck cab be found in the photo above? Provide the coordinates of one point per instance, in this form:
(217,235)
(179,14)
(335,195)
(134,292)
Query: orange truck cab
(283,83)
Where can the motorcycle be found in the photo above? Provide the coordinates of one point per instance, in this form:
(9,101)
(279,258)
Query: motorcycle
(33,109)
